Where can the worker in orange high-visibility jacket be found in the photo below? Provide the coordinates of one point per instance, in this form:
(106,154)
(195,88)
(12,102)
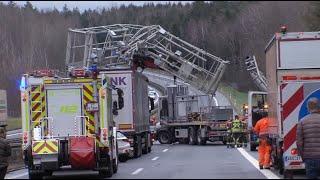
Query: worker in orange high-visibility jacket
(264,149)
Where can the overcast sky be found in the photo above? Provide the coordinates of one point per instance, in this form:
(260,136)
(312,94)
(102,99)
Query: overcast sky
(82,5)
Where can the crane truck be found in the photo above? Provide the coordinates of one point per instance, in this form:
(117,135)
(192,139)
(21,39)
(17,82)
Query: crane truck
(67,123)
(191,119)
(128,49)
(292,73)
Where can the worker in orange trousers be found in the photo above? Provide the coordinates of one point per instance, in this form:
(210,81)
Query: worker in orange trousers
(264,149)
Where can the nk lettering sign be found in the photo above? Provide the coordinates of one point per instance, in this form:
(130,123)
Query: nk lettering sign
(118,81)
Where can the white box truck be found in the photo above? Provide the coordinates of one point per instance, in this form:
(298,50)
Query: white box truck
(134,119)
(293,77)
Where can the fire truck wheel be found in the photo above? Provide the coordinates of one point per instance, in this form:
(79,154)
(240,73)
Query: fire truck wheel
(164,137)
(107,166)
(106,173)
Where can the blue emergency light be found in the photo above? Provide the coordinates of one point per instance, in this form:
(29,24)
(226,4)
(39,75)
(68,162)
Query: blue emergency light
(23,84)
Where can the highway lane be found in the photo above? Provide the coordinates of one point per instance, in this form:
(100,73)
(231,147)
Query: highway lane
(177,161)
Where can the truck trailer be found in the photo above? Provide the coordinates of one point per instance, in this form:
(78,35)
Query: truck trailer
(133,120)
(192,119)
(292,69)
(67,123)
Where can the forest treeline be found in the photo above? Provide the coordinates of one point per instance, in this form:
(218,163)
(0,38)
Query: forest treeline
(31,38)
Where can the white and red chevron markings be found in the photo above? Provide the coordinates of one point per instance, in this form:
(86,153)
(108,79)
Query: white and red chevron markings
(292,98)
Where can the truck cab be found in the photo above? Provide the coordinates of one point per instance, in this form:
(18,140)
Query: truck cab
(257,105)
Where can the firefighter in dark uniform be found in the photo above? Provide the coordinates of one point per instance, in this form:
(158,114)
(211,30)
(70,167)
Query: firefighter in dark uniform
(5,152)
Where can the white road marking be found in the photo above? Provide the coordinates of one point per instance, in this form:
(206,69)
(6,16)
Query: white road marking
(155,158)
(16,176)
(266,172)
(137,171)
(165,150)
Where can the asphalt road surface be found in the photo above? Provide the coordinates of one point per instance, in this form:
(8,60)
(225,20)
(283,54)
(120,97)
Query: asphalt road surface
(180,161)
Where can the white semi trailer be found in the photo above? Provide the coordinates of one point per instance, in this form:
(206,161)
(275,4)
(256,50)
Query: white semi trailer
(133,121)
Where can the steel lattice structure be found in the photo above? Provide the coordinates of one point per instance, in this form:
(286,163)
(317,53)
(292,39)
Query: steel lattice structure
(116,45)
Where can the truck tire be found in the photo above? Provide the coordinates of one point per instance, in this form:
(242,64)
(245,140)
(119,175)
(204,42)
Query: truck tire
(138,147)
(106,173)
(164,137)
(150,142)
(192,136)
(146,144)
(200,140)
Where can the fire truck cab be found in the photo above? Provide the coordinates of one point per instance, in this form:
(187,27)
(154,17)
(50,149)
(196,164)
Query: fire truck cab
(67,123)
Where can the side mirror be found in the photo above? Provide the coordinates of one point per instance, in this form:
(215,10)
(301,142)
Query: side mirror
(114,108)
(120,98)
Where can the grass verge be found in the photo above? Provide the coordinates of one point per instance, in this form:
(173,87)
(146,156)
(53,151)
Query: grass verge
(237,98)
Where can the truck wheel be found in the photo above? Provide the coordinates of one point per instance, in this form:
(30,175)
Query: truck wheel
(138,147)
(106,173)
(200,141)
(164,137)
(150,143)
(192,136)
(146,144)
